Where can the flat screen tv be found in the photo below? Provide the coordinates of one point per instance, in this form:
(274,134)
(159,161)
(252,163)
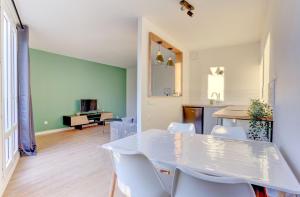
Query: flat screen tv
(87,105)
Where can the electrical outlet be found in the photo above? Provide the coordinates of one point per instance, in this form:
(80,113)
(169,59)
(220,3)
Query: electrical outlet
(45,122)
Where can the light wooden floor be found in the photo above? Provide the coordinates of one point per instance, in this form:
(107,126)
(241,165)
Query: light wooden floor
(70,163)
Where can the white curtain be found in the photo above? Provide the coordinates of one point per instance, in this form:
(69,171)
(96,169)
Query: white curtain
(27,144)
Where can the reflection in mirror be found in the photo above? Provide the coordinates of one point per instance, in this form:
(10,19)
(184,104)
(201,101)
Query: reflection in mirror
(165,64)
(216,84)
(163,76)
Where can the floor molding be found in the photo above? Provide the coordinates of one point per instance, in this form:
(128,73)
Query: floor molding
(47,132)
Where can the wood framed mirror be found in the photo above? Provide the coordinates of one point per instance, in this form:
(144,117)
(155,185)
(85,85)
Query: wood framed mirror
(165,68)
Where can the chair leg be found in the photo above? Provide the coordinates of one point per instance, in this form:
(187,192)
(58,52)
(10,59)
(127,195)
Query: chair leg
(281,194)
(113,185)
(103,128)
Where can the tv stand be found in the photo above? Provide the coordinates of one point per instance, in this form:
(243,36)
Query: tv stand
(78,121)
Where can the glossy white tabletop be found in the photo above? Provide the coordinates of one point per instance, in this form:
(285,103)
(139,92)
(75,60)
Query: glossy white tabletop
(259,163)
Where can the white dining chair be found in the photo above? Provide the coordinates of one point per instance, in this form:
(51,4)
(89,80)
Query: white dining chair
(194,184)
(136,176)
(166,172)
(237,133)
(176,127)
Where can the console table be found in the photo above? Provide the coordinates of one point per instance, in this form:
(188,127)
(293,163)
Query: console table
(78,121)
(240,113)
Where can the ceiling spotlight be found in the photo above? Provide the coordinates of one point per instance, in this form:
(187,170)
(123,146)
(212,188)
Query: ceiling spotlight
(187,6)
(190,13)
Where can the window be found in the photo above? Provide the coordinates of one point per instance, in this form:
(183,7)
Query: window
(216,84)
(266,71)
(9,89)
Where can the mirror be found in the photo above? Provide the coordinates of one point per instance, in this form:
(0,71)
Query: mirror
(165,68)
(215,89)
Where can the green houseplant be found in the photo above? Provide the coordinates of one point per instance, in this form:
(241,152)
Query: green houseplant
(260,124)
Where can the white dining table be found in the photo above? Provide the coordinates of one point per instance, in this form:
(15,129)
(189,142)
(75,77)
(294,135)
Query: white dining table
(258,163)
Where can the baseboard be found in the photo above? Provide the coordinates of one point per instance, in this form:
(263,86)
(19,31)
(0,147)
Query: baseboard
(47,132)
(5,182)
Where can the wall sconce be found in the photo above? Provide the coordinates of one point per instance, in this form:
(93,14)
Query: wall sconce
(217,70)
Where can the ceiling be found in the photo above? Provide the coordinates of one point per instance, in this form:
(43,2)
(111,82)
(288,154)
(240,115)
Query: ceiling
(105,31)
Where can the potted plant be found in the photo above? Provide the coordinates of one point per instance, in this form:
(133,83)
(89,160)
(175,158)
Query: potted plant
(260,124)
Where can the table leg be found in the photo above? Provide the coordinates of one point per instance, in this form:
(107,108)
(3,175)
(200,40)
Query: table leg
(113,185)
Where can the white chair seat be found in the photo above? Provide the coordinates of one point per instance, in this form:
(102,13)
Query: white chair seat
(237,133)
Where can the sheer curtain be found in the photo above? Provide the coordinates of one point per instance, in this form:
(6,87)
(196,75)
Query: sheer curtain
(27,144)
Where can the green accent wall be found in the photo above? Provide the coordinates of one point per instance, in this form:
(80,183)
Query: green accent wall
(58,83)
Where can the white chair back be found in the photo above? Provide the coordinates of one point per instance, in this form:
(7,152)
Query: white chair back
(176,127)
(194,184)
(136,176)
(237,133)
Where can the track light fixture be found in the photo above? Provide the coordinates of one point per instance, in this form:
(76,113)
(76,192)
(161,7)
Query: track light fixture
(190,13)
(187,6)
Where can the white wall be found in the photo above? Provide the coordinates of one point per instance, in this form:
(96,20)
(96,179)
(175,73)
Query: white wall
(157,112)
(242,72)
(284,27)
(131,89)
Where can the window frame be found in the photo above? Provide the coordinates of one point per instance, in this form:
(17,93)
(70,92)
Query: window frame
(9,92)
